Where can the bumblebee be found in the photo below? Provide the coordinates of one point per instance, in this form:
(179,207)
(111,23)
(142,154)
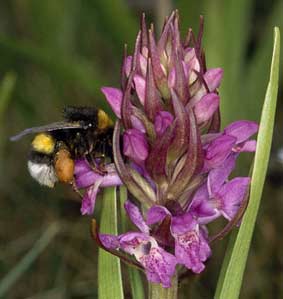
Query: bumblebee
(85,132)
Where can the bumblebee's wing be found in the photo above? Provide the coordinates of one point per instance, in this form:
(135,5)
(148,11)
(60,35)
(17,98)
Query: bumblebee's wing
(47,128)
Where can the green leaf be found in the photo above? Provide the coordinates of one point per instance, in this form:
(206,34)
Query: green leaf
(109,269)
(134,274)
(232,271)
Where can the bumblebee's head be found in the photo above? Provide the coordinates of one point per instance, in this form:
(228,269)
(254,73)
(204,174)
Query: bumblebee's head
(43,143)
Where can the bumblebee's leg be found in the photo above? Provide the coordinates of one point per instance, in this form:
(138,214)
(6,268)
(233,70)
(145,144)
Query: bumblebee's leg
(98,167)
(75,188)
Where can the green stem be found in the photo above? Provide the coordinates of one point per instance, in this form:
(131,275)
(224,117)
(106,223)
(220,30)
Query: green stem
(156,291)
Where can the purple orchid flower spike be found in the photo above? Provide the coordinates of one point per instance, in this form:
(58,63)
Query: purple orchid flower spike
(175,161)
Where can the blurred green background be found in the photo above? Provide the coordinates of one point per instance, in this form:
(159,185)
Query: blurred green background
(56,53)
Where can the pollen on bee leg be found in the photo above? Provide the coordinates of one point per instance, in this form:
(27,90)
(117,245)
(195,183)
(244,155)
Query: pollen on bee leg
(64,166)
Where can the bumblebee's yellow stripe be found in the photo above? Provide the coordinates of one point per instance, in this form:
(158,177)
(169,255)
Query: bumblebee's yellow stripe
(104,120)
(43,143)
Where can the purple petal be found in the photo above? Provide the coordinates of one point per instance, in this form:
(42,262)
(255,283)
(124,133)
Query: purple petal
(183,223)
(114,98)
(136,217)
(162,121)
(111,180)
(109,241)
(213,78)
(87,179)
(208,138)
(156,214)
(135,145)
(202,208)
(88,201)
(85,176)
(159,266)
(135,243)
(137,124)
(232,195)
(127,65)
(219,175)
(140,87)
(192,64)
(218,150)
(81,167)
(248,146)
(242,130)
(192,249)
(205,108)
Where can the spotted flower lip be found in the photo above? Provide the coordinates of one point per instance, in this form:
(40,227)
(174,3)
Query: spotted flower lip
(191,242)
(159,265)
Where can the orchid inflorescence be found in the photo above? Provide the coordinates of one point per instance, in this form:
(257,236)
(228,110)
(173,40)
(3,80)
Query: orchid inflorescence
(172,157)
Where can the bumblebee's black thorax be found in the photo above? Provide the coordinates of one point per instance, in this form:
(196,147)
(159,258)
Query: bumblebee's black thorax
(82,142)
(86,115)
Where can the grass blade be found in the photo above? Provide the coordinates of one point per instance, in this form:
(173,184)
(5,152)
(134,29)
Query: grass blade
(10,279)
(134,274)
(231,276)
(109,269)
